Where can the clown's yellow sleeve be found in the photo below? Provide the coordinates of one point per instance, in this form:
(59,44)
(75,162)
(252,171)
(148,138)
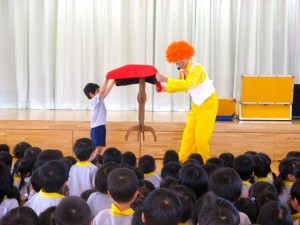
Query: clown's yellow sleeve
(192,80)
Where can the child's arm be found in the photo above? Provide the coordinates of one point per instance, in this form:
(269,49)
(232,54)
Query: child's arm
(103,88)
(108,89)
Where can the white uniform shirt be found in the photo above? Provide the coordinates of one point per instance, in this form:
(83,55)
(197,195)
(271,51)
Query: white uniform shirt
(99,111)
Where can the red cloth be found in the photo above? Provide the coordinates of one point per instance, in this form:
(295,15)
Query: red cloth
(132,71)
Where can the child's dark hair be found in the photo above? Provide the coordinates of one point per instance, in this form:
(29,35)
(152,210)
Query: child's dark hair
(97,161)
(46,156)
(226,183)
(129,158)
(188,198)
(112,154)
(197,157)
(52,175)
(87,193)
(261,168)
(20,149)
(23,167)
(250,153)
(21,215)
(90,88)
(286,169)
(47,216)
(218,162)
(194,176)
(293,154)
(274,213)
(295,190)
(258,187)
(170,169)
(73,210)
(4,148)
(168,181)
(170,156)
(147,164)
(219,212)
(161,207)
(34,181)
(6,182)
(122,185)
(249,207)
(32,152)
(102,174)
(209,168)
(83,148)
(6,158)
(145,187)
(244,166)
(227,159)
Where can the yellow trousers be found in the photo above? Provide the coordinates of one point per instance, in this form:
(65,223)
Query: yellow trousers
(199,128)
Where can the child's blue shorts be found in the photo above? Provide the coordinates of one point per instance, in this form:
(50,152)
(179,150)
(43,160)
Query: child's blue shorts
(98,135)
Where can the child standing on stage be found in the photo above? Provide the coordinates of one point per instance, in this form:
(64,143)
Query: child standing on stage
(97,106)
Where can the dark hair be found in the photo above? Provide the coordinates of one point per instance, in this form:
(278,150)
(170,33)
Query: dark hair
(129,158)
(227,159)
(112,154)
(249,207)
(21,215)
(261,168)
(244,166)
(226,183)
(83,148)
(168,181)
(250,153)
(274,213)
(22,168)
(293,154)
(218,162)
(147,164)
(4,148)
(73,210)
(286,167)
(86,194)
(52,175)
(260,186)
(161,207)
(72,159)
(170,169)
(209,168)
(34,181)
(6,158)
(187,198)
(137,217)
(197,157)
(145,187)
(90,88)
(268,163)
(47,216)
(170,156)
(102,174)
(97,161)
(218,212)
(46,156)
(295,190)
(122,184)
(6,182)
(32,152)
(20,149)
(194,176)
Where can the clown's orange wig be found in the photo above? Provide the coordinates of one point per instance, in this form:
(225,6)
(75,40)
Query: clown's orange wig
(179,50)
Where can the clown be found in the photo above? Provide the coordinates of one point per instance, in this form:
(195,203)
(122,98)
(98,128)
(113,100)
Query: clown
(202,115)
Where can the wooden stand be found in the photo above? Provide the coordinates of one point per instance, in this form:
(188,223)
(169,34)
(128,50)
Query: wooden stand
(141,128)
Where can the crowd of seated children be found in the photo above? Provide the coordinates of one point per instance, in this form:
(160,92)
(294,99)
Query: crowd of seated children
(224,190)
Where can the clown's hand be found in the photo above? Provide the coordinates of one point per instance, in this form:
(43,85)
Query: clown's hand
(161,78)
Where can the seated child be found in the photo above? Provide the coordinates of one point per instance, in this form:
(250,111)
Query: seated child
(244,166)
(147,165)
(53,175)
(295,201)
(170,156)
(21,216)
(73,210)
(122,185)
(227,159)
(161,207)
(129,158)
(6,158)
(82,174)
(112,154)
(100,199)
(261,169)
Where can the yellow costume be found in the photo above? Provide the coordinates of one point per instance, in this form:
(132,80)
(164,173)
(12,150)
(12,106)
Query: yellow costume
(202,116)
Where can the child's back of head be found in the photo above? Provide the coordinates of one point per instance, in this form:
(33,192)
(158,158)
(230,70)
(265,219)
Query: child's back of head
(226,183)
(83,149)
(21,216)
(46,156)
(32,152)
(20,149)
(244,166)
(261,168)
(6,158)
(4,148)
(161,207)
(170,156)
(102,175)
(197,157)
(122,185)
(170,169)
(227,159)
(73,210)
(53,175)
(112,155)
(129,158)
(147,164)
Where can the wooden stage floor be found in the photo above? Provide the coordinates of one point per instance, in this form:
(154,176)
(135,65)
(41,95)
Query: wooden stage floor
(58,129)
